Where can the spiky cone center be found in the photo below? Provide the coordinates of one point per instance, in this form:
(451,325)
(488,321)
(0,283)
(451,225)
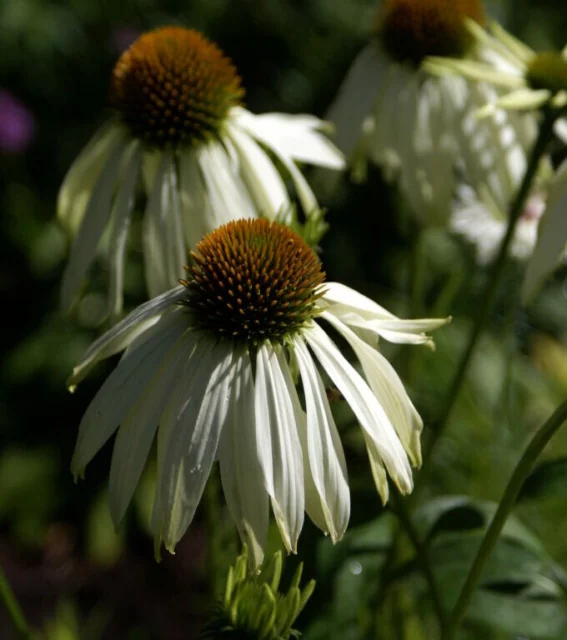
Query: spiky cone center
(411,30)
(173,86)
(253,280)
(548,70)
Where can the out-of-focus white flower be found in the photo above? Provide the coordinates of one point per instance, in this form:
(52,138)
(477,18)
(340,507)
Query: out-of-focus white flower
(531,79)
(419,128)
(552,237)
(202,160)
(483,224)
(208,367)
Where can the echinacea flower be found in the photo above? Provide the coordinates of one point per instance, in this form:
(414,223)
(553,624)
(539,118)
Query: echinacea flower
(209,366)
(202,159)
(483,224)
(421,129)
(530,79)
(552,237)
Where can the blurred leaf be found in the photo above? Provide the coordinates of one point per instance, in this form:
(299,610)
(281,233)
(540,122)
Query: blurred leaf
(104,543)
(547,480)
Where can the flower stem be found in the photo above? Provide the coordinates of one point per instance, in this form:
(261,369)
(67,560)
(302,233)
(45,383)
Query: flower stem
(13,608)
(523,468)
(487,299)
(422,557)
(211,509)
(417,273)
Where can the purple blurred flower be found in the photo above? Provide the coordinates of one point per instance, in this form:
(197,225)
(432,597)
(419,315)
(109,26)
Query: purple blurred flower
(17,124)
(123,37)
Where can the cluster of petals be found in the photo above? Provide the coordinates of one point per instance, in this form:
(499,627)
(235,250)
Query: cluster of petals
(190,191)
(213,399)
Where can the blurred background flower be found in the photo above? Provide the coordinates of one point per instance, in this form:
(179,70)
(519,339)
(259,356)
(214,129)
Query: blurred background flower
(17,124)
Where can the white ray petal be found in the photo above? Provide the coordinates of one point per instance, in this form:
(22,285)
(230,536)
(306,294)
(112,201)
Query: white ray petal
(77,186)
(241,473)
(279,449)
(122,334)
(121,390)
(388,389)
(164,250)
(97,212)
(295,137)
(264,183)
(369,412)
(552,237)
(197,212)
(226,191)
(120,225)
(137,431)
(325,456)
(188,438)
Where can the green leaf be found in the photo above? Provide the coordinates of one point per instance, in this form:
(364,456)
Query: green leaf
(549,479)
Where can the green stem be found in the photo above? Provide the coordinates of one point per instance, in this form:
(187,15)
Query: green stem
(422,557)
(523,469)
(213,542)
(488,297)
(13,608)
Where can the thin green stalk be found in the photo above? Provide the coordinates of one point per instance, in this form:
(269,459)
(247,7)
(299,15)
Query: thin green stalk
(422,557)
(417,273)
(212,516)
(523,469)
(13,609)
(487,299)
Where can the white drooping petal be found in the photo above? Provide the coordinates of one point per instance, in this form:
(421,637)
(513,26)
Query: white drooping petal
(295,137)
(523,99)
(323,451)
(279,448)
(225,189)
(97,212)
(356,310)
(137,430)
(197,212)
(164,247)
(356,97)
(77,186)
(188,438)
(122,334)
(388,389)
(552,237)
(122,389)
(264,183)
(369,412)
(241,473)
(120,225)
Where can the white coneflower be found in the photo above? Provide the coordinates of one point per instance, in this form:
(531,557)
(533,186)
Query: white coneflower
(417,127)
(482,223)
(531,79)
(204,160)
(552,237)
(208,366)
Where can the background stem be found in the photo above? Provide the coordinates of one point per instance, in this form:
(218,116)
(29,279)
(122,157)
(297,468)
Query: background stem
(13,608)
(488,296)
(506,505)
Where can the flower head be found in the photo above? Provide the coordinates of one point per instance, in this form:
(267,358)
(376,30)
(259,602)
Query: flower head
(528,80)
(410,30)
(199,157)
(255,280)
(209,367)
(173,86)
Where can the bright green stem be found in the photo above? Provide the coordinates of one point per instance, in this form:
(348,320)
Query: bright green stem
(13,608)
(488,296)
(523,469)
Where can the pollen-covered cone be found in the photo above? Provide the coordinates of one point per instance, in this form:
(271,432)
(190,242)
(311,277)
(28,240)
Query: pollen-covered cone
(207,369)
(182,138)
(422,130)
